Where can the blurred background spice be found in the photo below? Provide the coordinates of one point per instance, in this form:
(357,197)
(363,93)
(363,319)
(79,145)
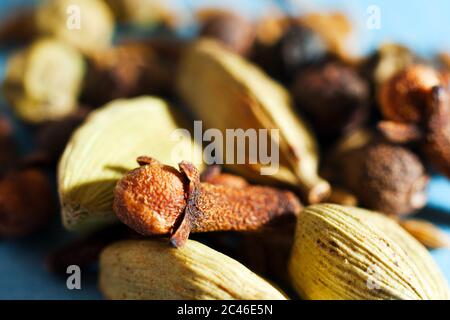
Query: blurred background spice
(130,48)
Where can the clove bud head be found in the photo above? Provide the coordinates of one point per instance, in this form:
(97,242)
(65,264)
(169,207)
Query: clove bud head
(404,97)
(150,198)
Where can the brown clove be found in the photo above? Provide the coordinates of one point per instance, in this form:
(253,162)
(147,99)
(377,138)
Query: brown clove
(157,199)
(214,175)
(416,107)
(404,97)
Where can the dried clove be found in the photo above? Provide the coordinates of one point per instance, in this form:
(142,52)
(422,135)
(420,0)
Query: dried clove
(334,98)
(416,105)
(436,142)
(156,199)
(213,175)
(26,202)
(232,30)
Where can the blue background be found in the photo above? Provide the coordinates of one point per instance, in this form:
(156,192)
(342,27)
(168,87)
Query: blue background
(422,24)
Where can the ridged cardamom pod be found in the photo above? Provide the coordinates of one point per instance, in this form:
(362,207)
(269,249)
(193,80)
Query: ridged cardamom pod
(152,270)
(43,81)
(106,146)
(350,253)
(227,92)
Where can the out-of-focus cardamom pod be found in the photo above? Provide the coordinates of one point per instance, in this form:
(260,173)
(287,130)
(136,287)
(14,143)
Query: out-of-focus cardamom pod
(227,92)
(152,270)
(350,253)
(426,233)
(85,24)
(43,81)
(106,146)
(148,13)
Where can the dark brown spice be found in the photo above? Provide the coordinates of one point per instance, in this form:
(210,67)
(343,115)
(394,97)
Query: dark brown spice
(436,144)
(232,30)
(334,98)
(26,202)
(383,177)
(129,70)
(19,26)
(158,199)
(8,148)
(84,252)
(297,47)
(52,138)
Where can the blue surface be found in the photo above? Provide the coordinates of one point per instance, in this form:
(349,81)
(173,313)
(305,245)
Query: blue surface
(421,24)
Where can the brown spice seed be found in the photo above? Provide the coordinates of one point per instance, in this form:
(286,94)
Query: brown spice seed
(232,30)
(436,144)
(384,177)
(26,202)
(128,70)
(8,148)
(334,97)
